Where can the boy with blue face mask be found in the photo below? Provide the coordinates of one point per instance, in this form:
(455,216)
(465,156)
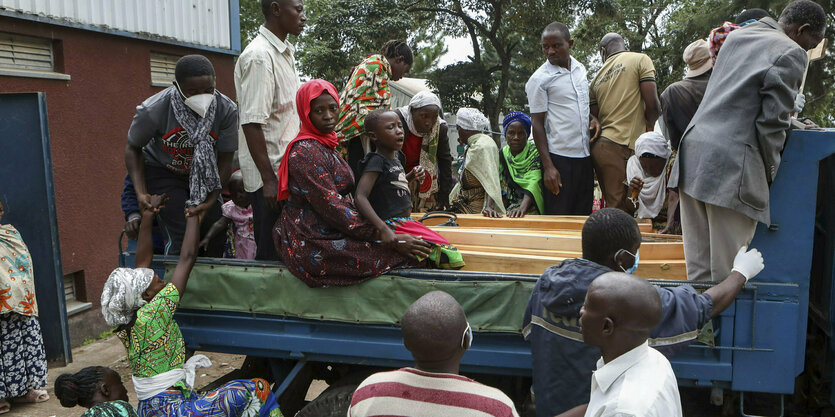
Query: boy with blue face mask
(181,143)
(611,240)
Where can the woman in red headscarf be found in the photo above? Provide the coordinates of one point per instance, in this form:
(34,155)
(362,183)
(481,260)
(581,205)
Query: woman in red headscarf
(320,235)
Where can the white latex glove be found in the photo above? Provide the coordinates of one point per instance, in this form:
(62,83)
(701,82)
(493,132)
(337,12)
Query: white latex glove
(749,263)
(799,102)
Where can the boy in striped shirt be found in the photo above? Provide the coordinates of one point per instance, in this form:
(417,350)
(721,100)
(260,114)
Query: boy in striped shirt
(436,332)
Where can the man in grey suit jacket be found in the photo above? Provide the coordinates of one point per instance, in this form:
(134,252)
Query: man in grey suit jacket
(730,152)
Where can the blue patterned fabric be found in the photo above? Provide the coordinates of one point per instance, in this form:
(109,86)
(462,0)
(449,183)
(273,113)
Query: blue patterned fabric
(239,398)
(22,356)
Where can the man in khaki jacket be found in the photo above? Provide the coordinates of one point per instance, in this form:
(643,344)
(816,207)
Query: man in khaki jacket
(624,98)
(730,152)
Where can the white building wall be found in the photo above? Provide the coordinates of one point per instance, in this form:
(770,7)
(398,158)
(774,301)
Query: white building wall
(202,22)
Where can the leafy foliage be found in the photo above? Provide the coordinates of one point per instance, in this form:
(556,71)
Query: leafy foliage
(340,33)
(251,18)
(429,46)
(457,82)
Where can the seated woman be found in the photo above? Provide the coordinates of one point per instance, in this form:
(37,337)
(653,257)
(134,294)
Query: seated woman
(383,190)
(142,306)
(478,189)
(521,168)
(647,174)
(427,144)
(320,235)
(97,388)
(366,91)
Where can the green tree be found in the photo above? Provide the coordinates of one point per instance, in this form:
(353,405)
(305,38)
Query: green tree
(820,81)
(428,46)
(251,18)
(340,33)
(493,27)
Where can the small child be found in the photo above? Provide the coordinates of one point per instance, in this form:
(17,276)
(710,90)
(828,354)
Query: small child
(238,211)
(383,195)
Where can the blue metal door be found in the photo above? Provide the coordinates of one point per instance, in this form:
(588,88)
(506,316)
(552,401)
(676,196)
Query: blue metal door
(26,189)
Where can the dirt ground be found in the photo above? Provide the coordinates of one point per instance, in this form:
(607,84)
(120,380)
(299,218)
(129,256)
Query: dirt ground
(110,352)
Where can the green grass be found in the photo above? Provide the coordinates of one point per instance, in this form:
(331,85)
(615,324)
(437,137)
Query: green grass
(102,335)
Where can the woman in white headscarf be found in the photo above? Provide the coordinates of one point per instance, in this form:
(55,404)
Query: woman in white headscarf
(646,171)
(142,306)
(479,187)
(427,144)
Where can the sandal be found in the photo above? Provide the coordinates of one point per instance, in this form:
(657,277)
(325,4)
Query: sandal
(33,396)
(5,407)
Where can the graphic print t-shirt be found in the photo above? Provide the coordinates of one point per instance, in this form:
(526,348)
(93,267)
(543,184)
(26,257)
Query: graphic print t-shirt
(390,195)
(166,144)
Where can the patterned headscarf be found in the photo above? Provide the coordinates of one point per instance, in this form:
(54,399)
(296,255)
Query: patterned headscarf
(204,177)
(122,294)
(717,38)
(469,118)
(517,116)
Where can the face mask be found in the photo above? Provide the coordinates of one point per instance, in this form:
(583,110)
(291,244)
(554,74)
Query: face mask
(467,337)
(637,257)
(199,102)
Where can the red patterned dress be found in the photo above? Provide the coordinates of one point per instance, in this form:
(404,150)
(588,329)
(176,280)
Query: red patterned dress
(320,235)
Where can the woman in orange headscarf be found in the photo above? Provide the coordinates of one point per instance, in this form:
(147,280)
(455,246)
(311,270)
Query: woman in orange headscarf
(320,235)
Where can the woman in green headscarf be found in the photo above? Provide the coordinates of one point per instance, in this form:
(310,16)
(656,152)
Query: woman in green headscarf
(521,168)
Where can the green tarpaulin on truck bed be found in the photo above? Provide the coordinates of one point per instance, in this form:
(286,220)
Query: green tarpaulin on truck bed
(490,305)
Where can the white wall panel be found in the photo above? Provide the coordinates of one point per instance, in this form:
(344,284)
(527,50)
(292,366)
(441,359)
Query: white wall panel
(203,22)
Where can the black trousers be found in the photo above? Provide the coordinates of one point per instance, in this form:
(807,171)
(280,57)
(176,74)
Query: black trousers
(263,219)
(355,155)
(577,192)
(160,180)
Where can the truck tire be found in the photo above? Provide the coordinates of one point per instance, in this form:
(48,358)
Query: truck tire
(331,403)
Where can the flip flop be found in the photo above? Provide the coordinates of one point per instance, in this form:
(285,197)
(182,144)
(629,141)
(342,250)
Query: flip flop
(33,396)
(5,407)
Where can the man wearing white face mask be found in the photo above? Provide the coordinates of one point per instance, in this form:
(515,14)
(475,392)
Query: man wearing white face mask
(181,143)
(611,241)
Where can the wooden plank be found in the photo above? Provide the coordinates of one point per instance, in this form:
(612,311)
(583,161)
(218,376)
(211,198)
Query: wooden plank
(649,253)
(504,240)
(527,222)
(510,240)
(578,219)
(532,264)
(520,251)
(547,232)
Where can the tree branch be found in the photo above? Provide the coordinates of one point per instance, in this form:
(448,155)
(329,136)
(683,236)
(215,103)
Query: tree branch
(460,14)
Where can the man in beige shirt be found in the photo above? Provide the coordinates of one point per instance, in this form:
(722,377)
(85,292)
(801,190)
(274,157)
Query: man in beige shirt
(624,99)
(266,82)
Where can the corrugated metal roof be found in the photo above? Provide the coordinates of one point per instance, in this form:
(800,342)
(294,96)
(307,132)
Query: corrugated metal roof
(201,22)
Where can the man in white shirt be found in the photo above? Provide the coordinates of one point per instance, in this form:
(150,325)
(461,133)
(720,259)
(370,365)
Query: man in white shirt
(631,379)
(558,97)
(266,82)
